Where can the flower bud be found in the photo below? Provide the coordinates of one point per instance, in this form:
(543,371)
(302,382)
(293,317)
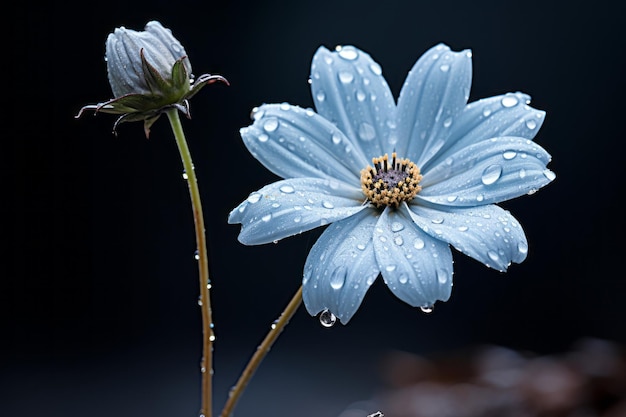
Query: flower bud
(124,63)
(149,73)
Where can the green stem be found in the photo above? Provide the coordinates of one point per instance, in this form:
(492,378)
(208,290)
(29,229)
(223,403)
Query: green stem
(203,264)
(276,328)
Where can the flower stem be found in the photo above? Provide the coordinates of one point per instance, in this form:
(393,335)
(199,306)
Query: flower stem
(203,264)
(262,350)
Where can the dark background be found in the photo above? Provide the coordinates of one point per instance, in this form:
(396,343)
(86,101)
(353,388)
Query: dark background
(99,285)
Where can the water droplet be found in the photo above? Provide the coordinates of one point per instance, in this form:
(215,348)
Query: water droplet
(437,220)
(328,205)
(480,197)
(418,243)
(185,176)
(271,124)
(360,95)
(274,324)
(360,246)
(321,95)
(508,155)
(254,198)
(444,67)
(398,240)
(427,308)
(375,68)
(263,138)
(336,138)
(509,101)
(522,173)
(549,174)
(327,319)
(366,131)
(491,174)
(447,122)
(287,189)
(212,338)
(531,124)
(486,112)
(452,198)
(390,268)
(403,279)
(338,278)
(345,77)
(297,219)
(397,226)
(267,217)
(199,300)
(196,255)
(493,256)
(463,228)
(348,53)
(522,247)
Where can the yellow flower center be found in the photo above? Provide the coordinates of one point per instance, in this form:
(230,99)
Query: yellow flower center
(389,184)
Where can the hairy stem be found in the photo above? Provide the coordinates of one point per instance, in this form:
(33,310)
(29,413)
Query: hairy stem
(206,365)
(275,330)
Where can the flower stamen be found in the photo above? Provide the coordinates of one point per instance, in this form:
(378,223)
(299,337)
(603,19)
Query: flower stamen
(389,185)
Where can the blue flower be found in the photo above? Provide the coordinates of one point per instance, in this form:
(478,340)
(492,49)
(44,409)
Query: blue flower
(396,183)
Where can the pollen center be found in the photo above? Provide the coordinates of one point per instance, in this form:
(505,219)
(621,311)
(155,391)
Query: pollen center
(389,183)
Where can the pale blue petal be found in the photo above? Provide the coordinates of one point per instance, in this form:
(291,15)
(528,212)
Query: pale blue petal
(293,143)
(341,267)
(292,206)
(486,172)
(435,91)
(504,115)
(416,267)
(349,90)
(488,234)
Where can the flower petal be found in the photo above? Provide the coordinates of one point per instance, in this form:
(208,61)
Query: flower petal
(504,115)
(435,91)
(488,234)
(341,267)
(293,143)
(289,207)
(416,267)
(349,90)
(487,172)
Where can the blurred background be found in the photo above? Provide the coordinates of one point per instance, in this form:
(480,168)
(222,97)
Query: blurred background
(99,283)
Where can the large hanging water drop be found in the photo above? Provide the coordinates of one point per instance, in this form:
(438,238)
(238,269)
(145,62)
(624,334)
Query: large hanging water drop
(327,319)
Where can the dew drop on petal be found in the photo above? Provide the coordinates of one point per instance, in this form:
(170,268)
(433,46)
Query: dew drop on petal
(338,278)
(390,268)
(549,174)
(271,124)
(447,122)
(366,131)
(254,198)
(531,124)
(320,95)
(263,138)
(398,240)
(396,226)
(267,217)
(345,77)
(427,308)
(327,204)
(442,276)
(360,95)
(486,112)
(444,67)
(348,53)
(418,243)
(403,279)
(493,256)
(509,101)
(336,138)
(491,174)
(327,319)
(508,155)
(375,68)
(360,246)
(287,189)
(522,247)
